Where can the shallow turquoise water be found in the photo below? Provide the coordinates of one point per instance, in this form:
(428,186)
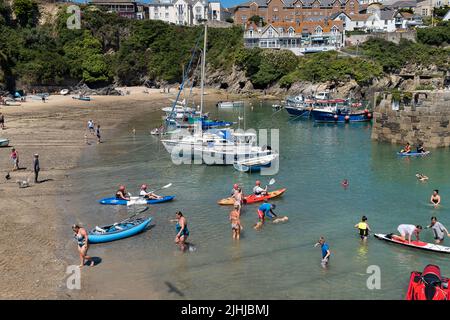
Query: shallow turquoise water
(280,261)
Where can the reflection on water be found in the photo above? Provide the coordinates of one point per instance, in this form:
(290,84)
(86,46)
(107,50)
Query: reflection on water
(314,159)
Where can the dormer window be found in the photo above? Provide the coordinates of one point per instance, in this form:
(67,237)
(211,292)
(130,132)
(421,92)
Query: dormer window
(270,33)
(291,31)
(334,29)
(319,30)
(275,9)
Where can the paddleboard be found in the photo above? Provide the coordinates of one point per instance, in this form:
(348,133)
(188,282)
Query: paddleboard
(414,244)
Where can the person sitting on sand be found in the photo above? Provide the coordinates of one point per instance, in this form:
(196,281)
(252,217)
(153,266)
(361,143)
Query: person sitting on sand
(122,194)
(421,177)
(82,238)
(406,149)
(182,231)
(148,195)
(235,222)
(363,228)
(438,229)
(258,191)
(435,198)
(407,230)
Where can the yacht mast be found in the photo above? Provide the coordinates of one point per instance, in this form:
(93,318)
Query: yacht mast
(203,71)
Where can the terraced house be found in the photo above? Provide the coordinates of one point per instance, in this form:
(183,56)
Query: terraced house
(295,11)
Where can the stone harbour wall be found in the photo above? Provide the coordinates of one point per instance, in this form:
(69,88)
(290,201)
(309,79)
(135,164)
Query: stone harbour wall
(425,119)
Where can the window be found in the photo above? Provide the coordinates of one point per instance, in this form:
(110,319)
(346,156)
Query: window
(291,31)
(385,22)
(198,9)
(167,15)
(319,30)
(244,18)
(250,33)
(334,29)
(270,33)
(275,9)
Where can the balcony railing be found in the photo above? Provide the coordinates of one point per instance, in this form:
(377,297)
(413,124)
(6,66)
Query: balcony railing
(257,35)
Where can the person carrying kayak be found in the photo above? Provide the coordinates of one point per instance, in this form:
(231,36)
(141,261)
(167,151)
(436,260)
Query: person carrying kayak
(406,149)
(235,222)
(326,253)
(407,230)
(182,231)
(258,191)
(363,228)
(122,194)
(435,198)
(82,238)
(148,195)
(438,229)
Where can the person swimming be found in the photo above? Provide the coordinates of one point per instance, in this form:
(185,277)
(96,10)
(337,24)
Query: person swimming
(363,228)
(435,197)
(344,183)
(421,177)
(406,149)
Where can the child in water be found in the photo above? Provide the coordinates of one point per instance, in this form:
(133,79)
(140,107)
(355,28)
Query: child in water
(363,228)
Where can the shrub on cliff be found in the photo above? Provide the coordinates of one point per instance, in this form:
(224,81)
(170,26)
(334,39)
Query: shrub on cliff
(26,12)
(436,36)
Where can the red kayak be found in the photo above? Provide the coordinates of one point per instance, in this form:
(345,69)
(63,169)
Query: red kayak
(253,198)
(428,285)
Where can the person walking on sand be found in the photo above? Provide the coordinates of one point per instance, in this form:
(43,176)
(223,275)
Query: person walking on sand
(326,253)
(91,127)
(182,231)
(235,222)
(15,159)
(82,239)
(2,121)
(98,134)
(36,167)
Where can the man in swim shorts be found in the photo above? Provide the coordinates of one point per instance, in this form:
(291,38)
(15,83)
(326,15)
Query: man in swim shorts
(325,251)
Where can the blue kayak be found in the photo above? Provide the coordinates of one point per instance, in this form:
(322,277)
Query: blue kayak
(413,154)
(115,201)
(118,231)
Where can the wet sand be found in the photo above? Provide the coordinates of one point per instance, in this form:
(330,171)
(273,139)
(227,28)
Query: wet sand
(31,224)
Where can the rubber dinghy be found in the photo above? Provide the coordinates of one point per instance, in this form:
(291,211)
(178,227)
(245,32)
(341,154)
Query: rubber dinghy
(118,231)
(414,244)
(115,201)
(253,198)
(413,154)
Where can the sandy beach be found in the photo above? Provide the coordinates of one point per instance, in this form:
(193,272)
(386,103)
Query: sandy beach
(31,223)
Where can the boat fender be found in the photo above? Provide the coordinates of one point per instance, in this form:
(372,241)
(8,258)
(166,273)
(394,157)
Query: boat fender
(366,111)
(347,118)
(369,115)
(335,117)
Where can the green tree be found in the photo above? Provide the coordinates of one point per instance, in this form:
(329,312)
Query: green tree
(27,12)
(5,13)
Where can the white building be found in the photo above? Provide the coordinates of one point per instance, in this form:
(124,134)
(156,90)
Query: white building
(186,12)
(425,8)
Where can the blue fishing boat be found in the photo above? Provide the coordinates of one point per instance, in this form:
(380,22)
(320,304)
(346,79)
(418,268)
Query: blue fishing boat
(137,200)
(340,116)
(118,230)
(298,111)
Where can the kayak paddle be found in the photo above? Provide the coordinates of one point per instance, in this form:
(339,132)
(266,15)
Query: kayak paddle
(133,215)
(164,187)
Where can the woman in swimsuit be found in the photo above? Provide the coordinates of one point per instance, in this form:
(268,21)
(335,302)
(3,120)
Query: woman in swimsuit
(235,222)
(182,231)
(122,194)
(406,149)
(435,197)
(82,238)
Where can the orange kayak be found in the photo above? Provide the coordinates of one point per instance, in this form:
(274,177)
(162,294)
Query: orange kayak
(253,198)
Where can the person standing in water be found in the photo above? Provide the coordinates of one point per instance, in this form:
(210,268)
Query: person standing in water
(435,198)
(98,134)
(438,229)
(363,228)
(237,196)
(182,231)
(235,222)
(326,253)
(82,238)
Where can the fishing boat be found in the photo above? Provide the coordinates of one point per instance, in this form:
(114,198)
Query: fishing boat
(255,164)
(118,230)
(230,104)
(277,106)
(299,106)
(4,142)
(338,111)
